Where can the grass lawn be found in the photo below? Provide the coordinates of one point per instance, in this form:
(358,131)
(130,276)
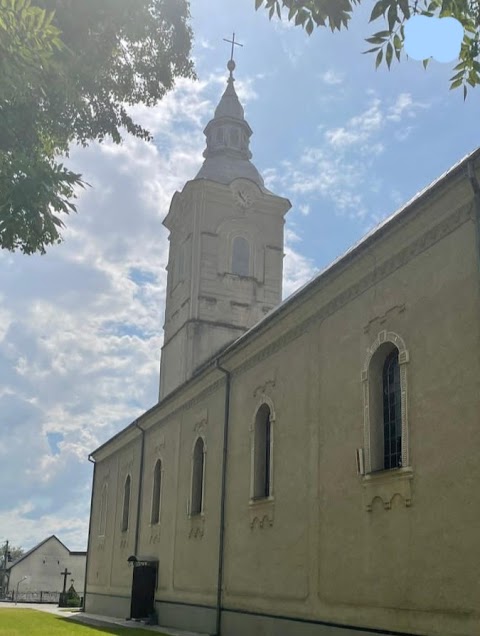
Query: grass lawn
(27,622)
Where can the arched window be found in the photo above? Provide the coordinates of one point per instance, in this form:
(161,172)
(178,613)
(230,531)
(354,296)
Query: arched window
(262,454)
(126,504)
(384,378)
(157,488)
(241,257)
(196,507)
(392,412)
(103,512)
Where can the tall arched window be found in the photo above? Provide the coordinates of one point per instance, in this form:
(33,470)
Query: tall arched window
(241,257)
(262,454)
(392,412)
(196,507)
(126,504)
(103,512)
(384,378)
(157,488)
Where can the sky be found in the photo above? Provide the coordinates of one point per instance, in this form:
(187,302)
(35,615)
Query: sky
(81,327)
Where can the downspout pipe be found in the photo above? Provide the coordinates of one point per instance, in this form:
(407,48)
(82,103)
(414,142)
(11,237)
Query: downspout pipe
(89,534)
(140,487)
(221,541)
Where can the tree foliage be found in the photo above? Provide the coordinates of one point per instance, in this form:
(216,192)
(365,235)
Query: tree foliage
(14,553)
(388,42)
(69,71)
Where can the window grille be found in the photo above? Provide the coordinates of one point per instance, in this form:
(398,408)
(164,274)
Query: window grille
(262,455)
(157,485)
(197,478)
(126,504)
(392,412)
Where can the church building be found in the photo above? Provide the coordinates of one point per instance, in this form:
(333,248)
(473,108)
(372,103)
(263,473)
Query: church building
(312,465)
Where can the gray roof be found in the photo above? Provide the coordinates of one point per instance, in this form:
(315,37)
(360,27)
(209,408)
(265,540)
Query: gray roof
(225,171)
(227,155)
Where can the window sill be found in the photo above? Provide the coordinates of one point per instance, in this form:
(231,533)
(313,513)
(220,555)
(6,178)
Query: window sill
(197,525)
(261,512)
(385,485)
(258,501)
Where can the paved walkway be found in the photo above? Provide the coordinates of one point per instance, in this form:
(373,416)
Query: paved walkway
(94,619)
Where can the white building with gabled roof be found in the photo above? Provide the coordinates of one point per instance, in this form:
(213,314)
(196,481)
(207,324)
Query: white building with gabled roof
(37,575)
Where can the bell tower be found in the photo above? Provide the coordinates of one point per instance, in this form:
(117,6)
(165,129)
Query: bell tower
(226,248)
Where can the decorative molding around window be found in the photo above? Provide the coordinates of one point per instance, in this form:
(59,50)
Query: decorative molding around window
(157,493)
(197,527)
(201,421)
(160,445)
(386,462)
(261,464)
(263,388)
(126,504)
(385,486)
(102,518)
(197,494)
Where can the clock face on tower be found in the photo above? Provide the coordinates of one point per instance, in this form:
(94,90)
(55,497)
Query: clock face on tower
(244,195)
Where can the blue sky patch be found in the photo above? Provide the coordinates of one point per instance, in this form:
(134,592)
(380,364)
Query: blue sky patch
(54,440)
(141,276)
(440,38)
(125,329)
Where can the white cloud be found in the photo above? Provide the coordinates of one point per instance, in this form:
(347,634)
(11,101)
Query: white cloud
(332,78)
(340,172)
(298,269)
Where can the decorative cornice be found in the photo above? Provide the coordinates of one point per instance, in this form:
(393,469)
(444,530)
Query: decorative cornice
(263,388)
(398,309)
(261,513)
(201,421)
(385,486)
(160,445)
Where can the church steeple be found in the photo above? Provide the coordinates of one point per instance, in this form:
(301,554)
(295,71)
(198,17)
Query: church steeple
(227,154)
(226,248)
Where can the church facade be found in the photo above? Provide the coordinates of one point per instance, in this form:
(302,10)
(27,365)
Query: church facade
(311,467)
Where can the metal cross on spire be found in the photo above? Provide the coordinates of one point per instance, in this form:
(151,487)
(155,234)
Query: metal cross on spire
(233,43)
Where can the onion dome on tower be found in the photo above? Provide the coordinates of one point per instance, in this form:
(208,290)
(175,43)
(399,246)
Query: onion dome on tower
(227,155)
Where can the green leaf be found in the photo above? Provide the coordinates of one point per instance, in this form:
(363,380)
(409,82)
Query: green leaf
(405,8)
(425,63)
(378,10)
(389,54)
(392,16)
(378,61)
(397,43)
(456,84)
(258,4)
